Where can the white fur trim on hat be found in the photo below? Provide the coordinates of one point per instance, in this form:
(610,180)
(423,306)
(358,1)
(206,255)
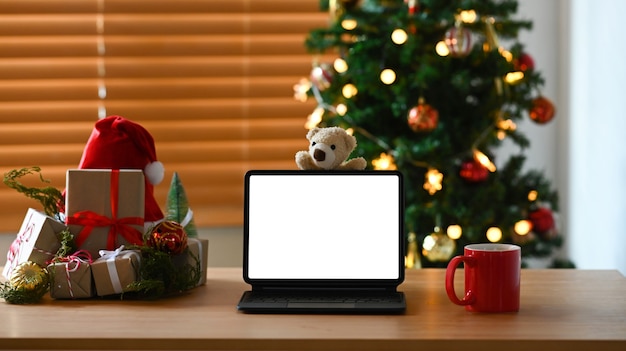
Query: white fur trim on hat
(154,172)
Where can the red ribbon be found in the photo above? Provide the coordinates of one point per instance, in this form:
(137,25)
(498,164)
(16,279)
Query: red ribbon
(122,226)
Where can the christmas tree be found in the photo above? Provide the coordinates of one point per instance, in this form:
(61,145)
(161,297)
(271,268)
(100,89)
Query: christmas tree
(428,87)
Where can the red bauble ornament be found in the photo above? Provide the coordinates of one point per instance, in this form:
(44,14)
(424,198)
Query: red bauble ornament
(542,111)
(473,171)
(169,237)
(524,63)
(322,76)
(542,220)
(458,40)
(423,118)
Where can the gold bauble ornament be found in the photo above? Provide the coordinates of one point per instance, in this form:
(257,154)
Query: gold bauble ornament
(28,276)
(438,247)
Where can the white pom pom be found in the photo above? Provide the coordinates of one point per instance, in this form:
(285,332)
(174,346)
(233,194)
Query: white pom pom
(155,172)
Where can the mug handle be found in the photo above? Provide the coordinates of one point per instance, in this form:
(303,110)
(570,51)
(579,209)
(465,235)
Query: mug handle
(469,297)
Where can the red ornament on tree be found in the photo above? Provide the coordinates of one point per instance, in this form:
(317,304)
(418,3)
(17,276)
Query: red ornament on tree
(542,220)
(168,237)
(322,76)
(542,110)
(524,63)
(458,40)
(473,171)
(423,117)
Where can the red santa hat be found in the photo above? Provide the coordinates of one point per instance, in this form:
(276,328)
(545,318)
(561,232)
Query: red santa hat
(117,143)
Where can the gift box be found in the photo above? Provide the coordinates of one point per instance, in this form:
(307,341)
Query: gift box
(196,255)
(105,208)
(71,279)
(115,270)
(37,241)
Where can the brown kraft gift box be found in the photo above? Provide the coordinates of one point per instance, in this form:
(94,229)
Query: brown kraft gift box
(197,250)
(71,280)
(115,270)
(92,195)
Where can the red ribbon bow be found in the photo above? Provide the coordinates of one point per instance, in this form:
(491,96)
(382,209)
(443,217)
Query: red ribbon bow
(122,226)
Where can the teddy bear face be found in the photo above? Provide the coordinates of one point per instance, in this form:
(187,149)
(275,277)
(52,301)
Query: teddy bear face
(329,147)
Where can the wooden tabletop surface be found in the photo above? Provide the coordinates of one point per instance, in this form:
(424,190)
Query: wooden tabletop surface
(560,310)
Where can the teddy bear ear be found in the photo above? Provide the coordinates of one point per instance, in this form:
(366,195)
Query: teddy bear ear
(312,132)
(350,142)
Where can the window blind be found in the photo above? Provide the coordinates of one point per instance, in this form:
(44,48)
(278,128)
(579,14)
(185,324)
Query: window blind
(212,80)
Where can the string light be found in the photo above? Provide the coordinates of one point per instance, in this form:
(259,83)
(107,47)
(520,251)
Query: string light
(399,36)
(384,162)
(494,234)
(349,90)
(468,16)
(532,195)
(301,89)
(341,109)
(442,49)
(454,231)
(508,56)
(484,160)
(433,179)
(348,24)
(388,76)
(314,118)
(514,77)
(522,227)
(340,65)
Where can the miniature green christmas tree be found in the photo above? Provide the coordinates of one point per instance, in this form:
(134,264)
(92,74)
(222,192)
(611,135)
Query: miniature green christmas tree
(178,207)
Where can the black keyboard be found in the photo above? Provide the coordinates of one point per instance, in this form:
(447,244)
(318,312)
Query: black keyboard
(322,302)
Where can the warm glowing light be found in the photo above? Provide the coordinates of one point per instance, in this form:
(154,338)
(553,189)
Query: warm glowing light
(532,195)
(454,231)
(494,234)
(468,16)
(507,124)
(384,162)
(523,227)
(348,24)
(399,36)
(442,49)
(349,90)
(508,56)
(432,181)
(350,131)
(514,77)
(340,65)
(388,76)
(301,89)
(341,109)
(314,118)
(484,160)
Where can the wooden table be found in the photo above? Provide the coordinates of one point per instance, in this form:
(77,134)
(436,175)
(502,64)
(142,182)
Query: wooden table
(561,310)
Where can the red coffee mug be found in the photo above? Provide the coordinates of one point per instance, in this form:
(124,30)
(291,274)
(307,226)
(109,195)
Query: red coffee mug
(492,278)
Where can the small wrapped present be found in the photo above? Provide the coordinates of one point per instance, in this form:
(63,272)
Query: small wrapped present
(71,278)
(115,270)
(37,241)
(196,255)
(105,208)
